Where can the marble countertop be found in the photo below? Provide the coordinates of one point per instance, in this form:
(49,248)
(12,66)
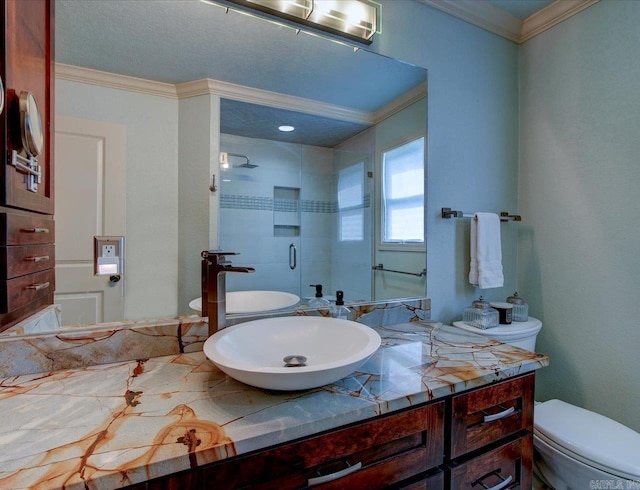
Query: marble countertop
(113,425)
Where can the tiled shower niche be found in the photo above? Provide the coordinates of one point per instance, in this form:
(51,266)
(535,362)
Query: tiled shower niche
(286,211)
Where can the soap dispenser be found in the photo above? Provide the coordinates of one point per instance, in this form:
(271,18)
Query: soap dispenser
(339,310)
(318,301)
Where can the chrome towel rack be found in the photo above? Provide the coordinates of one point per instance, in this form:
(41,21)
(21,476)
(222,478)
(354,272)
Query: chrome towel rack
(448,213)
(380,267)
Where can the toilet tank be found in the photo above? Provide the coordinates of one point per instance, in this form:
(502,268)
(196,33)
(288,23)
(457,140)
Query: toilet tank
(519,334)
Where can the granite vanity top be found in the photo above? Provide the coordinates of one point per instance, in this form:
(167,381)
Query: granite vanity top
(113,425)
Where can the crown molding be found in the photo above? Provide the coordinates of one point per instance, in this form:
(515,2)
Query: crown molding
(493,19)
(271,99)
(482,15)
(207,86)
(115,81)
(552,15)
(405,100)
(211,87)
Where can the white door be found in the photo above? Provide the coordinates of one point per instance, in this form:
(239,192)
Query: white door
(89,200)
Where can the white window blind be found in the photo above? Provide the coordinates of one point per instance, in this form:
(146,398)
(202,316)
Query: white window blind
(351,203)
(403,193)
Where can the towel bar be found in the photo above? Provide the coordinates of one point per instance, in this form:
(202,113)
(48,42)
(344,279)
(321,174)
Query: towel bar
(380,267)
(448,213)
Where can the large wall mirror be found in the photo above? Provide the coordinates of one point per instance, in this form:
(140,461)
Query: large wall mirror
(315,190)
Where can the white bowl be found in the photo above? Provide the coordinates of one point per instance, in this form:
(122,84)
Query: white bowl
(251,301)
(254,352)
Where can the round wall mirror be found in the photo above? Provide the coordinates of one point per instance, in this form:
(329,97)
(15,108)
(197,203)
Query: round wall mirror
(30,125)
(1,96)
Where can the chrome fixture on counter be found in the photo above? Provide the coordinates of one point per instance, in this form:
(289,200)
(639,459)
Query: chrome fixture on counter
(214,267)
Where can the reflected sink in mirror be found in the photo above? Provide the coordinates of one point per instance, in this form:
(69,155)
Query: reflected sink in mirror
(251,301)
(292,353)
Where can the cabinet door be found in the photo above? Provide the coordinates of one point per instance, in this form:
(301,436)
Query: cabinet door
(28,66)
(508,466)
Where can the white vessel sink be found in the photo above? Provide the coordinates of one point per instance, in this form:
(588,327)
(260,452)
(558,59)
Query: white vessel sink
(254,352)
(251,301)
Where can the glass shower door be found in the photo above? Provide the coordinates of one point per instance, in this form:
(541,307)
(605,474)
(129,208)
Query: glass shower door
(259,213)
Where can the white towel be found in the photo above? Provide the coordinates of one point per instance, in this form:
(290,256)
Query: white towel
(486,252)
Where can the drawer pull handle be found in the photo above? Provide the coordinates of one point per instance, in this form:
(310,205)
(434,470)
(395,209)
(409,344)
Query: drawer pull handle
(334,476)
(504,483)
(35,230)
(499,415)
(40,258)
(38,287)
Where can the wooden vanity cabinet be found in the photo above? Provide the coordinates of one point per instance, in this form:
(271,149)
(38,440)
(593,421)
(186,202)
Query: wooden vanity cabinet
(26,223)
(400,450)
(464,441)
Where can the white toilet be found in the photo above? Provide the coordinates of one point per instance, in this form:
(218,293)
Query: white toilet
(575,449)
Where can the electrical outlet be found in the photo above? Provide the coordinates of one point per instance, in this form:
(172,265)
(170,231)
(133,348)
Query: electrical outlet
(108,255)
(108,250)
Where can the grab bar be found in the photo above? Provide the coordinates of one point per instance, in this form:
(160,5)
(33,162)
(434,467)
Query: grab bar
(380,267)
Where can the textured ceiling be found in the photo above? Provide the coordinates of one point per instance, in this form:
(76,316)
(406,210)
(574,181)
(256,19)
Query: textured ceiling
(256,121)
(182,40)
(520,8)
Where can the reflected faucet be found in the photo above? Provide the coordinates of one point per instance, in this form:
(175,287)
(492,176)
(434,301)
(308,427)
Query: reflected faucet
(214,268)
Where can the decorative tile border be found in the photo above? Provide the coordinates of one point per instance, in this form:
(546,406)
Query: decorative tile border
(256,203)
(75,347)
(232,201)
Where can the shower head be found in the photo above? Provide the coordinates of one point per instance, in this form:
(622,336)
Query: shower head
(246,165)
(224,159)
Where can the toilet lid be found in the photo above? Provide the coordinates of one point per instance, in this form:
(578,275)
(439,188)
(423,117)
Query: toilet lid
(515,330)
(602,442)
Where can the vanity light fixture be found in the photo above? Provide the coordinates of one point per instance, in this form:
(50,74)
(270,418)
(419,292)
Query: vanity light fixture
(286,129)
(356,20)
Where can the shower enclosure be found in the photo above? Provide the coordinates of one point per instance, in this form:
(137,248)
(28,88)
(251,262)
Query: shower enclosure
(299,215)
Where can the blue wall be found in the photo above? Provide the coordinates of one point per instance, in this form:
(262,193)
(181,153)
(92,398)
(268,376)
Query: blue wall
(579,195)
(548,129)
(472,139)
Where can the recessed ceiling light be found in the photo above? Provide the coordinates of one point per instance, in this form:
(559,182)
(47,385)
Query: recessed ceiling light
(286,129)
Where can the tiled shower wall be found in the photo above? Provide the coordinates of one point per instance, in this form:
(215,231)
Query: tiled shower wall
(247,220)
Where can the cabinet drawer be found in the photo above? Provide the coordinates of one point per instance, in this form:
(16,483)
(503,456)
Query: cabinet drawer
(381,452)
(434,481)
(17,229)
(378,474)
(23,290)
(26,259)
(507,466)
(489,414)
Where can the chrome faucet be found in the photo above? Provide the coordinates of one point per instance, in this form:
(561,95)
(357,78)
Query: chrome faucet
(214,267)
